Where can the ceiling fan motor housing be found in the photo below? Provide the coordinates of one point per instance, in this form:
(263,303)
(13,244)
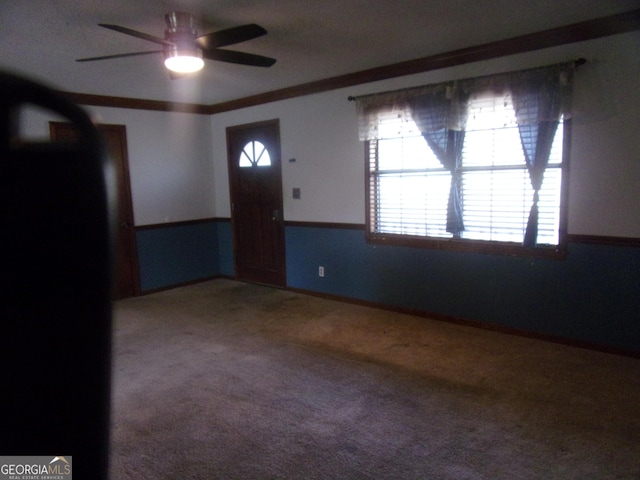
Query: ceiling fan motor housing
(184,50)
(182,34)
(180,22)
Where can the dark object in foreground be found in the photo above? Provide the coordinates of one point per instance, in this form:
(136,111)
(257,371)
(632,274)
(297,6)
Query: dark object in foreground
(55,278)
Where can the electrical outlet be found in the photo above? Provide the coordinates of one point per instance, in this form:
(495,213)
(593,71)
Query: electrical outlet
(321,271)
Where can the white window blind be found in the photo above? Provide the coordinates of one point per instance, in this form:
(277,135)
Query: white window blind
(409,187)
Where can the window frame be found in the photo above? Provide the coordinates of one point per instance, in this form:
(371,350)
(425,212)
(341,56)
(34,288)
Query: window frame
(558,251)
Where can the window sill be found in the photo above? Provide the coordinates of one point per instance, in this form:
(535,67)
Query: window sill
(557,252)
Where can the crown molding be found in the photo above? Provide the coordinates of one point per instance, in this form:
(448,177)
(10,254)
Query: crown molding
(577,32)
(135,103)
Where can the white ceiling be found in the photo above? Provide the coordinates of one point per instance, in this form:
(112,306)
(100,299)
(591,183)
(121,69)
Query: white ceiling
(311,39)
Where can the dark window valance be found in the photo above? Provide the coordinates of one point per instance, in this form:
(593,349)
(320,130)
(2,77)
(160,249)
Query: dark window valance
(543,93)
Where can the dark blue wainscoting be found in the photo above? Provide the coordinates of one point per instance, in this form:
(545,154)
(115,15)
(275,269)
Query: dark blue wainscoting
(592,296)
(224,237)
(177,253)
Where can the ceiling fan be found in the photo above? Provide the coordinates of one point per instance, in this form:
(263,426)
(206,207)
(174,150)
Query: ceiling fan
(184,50)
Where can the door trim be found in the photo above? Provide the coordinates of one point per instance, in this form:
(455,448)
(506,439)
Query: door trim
(56,129)
(267,277)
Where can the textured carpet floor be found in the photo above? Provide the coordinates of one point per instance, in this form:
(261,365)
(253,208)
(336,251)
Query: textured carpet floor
(226,380)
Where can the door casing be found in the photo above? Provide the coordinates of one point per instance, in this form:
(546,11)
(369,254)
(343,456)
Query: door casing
(126,281)
(256,206)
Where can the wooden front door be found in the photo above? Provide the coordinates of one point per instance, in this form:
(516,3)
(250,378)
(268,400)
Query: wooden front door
(126,282)
(253,152)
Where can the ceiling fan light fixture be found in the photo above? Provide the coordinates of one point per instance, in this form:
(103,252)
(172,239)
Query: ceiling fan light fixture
(185,51)
(183,60)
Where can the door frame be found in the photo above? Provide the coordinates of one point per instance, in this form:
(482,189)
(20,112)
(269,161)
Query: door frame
(124,199)
(281,281)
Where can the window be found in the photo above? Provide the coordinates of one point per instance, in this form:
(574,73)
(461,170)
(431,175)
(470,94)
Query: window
(465,180)
(254,154)
(497,191)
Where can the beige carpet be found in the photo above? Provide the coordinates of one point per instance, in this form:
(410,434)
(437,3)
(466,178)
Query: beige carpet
(227,380)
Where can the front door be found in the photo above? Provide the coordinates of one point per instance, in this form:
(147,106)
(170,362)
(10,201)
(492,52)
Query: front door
(253,152)
(125,258)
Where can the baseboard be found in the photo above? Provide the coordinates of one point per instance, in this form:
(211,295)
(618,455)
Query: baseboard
(433,316)
(183,284)
(477,324)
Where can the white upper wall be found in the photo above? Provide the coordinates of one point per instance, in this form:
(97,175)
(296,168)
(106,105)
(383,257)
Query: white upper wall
(320,132)
(178,162)
(169,161)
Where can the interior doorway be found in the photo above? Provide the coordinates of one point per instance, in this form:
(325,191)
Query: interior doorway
(126,281)
(255,178)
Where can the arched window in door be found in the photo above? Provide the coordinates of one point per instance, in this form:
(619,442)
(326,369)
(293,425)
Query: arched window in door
(254,154)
